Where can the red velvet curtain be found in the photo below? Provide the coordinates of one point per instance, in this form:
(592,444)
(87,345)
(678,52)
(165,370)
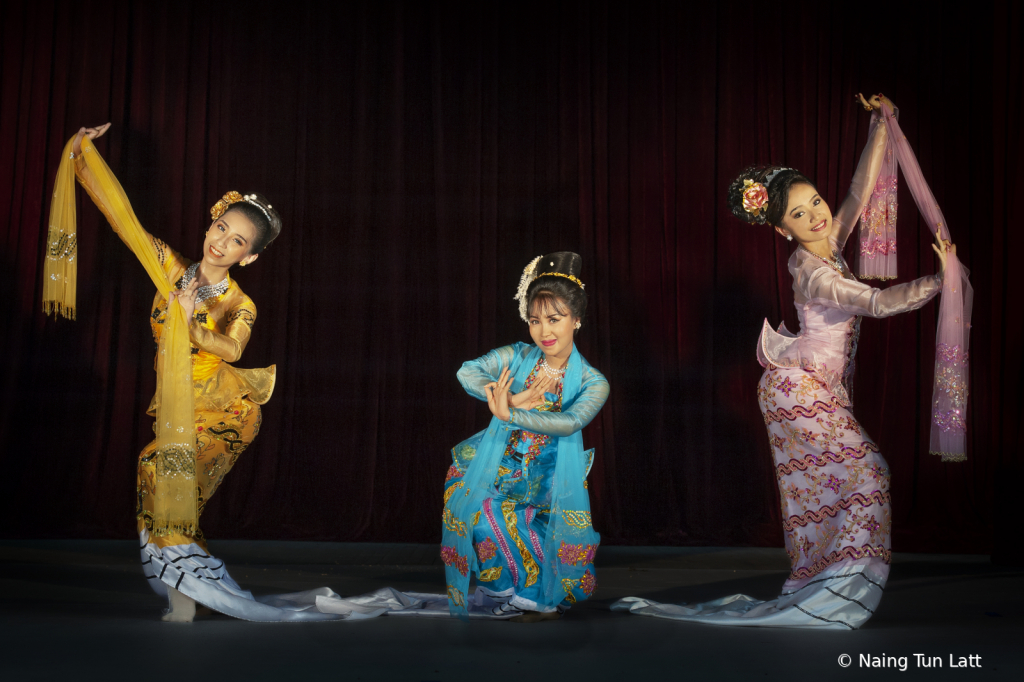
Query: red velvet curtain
(421,154)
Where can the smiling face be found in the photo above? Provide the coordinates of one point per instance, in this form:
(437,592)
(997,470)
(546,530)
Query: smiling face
(551,327)
(808,218)
(228,240)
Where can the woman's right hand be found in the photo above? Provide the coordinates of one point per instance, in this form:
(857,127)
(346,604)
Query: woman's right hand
(942,249)
(93,133)
(497,396)
(532,397)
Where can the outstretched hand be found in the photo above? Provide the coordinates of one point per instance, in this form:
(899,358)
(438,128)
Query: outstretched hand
(942,249)
(92,133)
(874,102)
(497,396)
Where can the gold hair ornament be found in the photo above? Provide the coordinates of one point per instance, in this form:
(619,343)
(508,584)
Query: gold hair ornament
(560,274)
(218,209)
(233,197)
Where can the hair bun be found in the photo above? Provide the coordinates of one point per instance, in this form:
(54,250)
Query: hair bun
(758,195)
(562,262)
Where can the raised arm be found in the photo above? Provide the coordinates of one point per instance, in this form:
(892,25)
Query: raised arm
(106,192)
(591,399)
(864,179)
(229,345)
(475,374)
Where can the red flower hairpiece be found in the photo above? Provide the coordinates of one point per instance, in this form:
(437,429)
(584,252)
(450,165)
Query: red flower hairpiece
(755,197)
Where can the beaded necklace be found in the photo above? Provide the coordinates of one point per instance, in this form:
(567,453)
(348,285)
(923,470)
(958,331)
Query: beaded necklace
(204,292)
(834,262)
(551,371)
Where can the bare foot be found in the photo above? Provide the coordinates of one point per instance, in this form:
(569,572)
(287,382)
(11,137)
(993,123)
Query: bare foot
(181,610)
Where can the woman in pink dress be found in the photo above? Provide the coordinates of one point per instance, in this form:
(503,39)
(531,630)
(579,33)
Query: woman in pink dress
(833,481)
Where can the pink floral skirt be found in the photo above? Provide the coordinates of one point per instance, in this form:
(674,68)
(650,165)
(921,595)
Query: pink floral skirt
(833,481)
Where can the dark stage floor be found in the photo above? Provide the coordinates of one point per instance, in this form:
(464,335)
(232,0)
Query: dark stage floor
(81,610)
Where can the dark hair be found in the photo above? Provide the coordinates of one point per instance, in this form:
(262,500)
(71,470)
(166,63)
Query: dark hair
(778,193)
(266,229)
(557,291)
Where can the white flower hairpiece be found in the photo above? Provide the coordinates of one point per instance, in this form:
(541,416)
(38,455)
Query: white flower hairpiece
(529,274)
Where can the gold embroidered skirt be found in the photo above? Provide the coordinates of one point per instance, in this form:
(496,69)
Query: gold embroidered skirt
(222,436)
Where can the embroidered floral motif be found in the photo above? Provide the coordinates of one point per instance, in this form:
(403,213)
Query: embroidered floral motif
(451,557)
(777,442)
(785,386)
(486,550)
(576,554)
(949,421)
(588,583)
(949,369)
(453,472)
(833,484)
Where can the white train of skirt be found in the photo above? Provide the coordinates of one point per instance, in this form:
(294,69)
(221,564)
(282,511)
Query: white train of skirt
(198,574)
(841,598)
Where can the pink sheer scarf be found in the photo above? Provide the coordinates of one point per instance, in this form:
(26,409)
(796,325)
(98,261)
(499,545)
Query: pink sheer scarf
(878,260)
(878,222)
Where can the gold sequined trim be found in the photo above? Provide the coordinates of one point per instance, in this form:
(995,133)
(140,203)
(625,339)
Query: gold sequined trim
(448,493)
(950,456)
(452,523)
(456,596)
(562,274)
(568,584)
(490,574)
(577,519)
(508,509)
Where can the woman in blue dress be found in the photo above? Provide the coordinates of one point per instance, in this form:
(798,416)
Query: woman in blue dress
(517,514)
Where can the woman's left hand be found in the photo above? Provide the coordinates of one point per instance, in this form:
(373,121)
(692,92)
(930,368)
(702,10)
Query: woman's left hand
(186,298)
(497,396)
(874,102)
(942,249)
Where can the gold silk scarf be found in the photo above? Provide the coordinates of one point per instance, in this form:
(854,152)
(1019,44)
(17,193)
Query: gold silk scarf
(175,509)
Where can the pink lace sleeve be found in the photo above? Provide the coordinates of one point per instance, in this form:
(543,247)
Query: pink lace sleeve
(827,286)
(863,183)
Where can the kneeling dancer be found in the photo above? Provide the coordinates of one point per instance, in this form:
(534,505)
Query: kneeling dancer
(516,510)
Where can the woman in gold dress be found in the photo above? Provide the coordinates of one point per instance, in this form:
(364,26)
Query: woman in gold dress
(226,400)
